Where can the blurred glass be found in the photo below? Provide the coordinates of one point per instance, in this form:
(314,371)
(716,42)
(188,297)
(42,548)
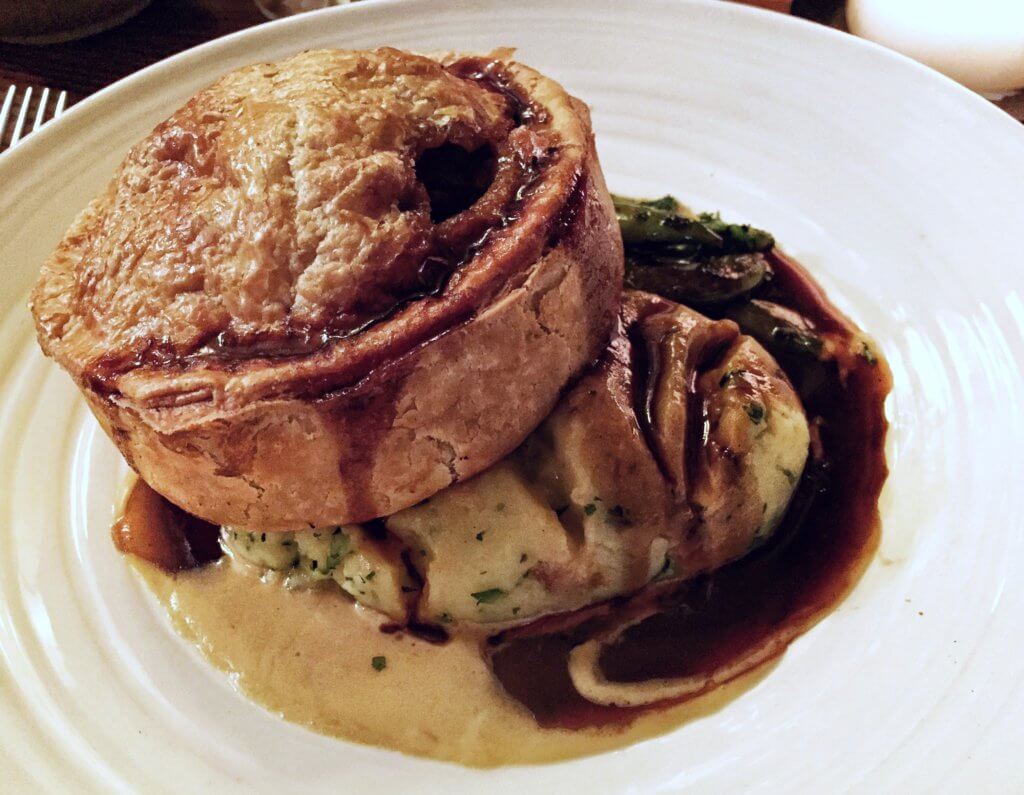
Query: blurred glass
(274,9)
(51,21)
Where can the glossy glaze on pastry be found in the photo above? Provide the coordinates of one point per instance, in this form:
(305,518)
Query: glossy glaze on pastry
(370,271)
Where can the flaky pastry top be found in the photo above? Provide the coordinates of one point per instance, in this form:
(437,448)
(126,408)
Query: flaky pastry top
(280,211)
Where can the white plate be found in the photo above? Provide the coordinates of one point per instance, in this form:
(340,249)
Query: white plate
(900,190)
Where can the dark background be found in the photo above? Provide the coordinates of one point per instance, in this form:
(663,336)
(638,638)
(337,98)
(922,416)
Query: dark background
(170,26)
(85,66)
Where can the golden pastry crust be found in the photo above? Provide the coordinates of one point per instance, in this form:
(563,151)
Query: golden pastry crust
(252,307)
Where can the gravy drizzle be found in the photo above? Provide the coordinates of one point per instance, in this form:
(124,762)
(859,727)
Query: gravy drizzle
(771,595)
(704,625)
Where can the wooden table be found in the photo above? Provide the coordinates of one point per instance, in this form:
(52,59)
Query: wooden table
(85,66)
(170,26)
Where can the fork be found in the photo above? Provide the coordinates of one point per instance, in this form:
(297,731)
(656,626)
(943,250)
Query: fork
(44,112)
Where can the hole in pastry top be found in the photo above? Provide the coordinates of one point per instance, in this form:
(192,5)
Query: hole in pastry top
(454,178)
(292,205)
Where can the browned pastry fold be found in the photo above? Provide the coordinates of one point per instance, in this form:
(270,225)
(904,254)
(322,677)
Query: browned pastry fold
(326,288)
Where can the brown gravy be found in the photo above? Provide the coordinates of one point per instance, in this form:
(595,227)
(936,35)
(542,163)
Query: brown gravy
(769,597)
(156,530)
(509,698)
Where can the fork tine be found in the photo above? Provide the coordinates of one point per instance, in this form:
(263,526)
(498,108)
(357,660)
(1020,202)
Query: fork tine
(5,112)
(41,110)
(22,113)
(61,99)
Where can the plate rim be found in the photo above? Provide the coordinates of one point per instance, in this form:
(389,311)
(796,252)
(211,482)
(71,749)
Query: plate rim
(189,54)
(94,103)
